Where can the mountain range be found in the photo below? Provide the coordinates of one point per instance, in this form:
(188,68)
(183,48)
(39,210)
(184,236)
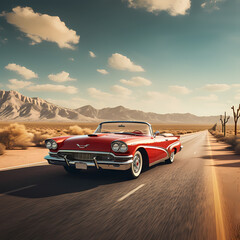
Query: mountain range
(17,107)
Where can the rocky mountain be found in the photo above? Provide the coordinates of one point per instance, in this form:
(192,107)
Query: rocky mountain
(15,106)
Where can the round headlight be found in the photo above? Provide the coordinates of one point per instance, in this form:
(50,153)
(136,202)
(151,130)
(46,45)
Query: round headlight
(123,148)
(48,144)
(54,145)
(115,147)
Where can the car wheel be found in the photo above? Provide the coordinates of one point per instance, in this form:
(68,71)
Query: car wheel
(71,170)
(171,159)
(137,164)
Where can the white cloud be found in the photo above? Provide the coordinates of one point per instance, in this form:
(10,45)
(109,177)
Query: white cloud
(211,5)
(122,91)
(42,27)
(156,102)
(92,54)
(26,73)
(209,98)
(53,88)
(98,94)
(216,87)
(102,71)
(173,7)
(120,62)
(136,82)
(153,95)
(71,59)
(237,97)
(60,77)
(179,89)
(70,103)
(237,85)
(17,84)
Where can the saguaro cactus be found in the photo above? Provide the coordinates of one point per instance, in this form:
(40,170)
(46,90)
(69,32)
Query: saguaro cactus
(236,115)
(224,121)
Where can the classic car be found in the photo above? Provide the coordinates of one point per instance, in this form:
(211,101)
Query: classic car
(115,145)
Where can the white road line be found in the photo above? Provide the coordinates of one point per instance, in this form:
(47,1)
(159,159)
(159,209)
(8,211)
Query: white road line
(24,165)
(130,193)
(17,190)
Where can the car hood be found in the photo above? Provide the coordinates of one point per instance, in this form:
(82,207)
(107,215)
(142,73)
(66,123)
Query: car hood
(95,142)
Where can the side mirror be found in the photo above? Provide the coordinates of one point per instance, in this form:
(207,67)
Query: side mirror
(157,133)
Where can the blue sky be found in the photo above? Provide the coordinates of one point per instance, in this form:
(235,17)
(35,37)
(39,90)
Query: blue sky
(152,55)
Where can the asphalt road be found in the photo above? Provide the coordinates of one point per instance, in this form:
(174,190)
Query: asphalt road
(168,201)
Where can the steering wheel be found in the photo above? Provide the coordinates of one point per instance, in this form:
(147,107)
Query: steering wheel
(137,132)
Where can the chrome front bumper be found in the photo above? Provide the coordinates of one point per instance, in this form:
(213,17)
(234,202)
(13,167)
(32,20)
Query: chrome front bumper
(98,164)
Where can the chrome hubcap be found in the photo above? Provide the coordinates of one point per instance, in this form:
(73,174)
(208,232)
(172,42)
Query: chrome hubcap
(136,164)
(172,157)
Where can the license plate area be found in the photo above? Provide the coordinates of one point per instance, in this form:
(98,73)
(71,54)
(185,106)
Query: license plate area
(80,165)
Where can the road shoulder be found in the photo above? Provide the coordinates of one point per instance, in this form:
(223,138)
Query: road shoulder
(22,158)
(227,168)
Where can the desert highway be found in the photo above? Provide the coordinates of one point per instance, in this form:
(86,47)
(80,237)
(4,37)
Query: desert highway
(169,201)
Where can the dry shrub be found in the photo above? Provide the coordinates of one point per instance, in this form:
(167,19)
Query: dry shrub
(237,148)
(16,136)
(76,130)
(39,139)
(2,149)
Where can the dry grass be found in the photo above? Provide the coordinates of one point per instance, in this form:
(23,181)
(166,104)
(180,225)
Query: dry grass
(23,135)
(2,149)
(16,136)
(230,138)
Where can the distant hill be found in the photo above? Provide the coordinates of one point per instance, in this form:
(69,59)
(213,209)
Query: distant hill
(15,106)
(122,113)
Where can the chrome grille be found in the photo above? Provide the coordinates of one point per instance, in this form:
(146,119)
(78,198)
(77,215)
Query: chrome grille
(86,156)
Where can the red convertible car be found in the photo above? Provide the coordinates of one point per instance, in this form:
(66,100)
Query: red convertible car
(118,145)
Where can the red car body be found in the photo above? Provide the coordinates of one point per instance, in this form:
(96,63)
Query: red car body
(95,150)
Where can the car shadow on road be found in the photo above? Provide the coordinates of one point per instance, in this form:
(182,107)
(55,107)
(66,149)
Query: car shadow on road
(52,181)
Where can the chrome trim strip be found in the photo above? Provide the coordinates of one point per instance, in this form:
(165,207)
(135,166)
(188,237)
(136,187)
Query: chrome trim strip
(89,163)
(106,153)
(53,153)
(158,148)
(173,144)
(158,161)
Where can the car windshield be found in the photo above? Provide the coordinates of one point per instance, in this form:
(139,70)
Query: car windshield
(131,128)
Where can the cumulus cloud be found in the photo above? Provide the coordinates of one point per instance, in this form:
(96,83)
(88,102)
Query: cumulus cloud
(42,27)
(209,98)
(60,77)
(122,91)
(17,84)
(136,82)
(92,54)
(102,71)
(98,94)
(179,89)
(173,7)
(216,87)
(120,62)
(25,72)
(53,88)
